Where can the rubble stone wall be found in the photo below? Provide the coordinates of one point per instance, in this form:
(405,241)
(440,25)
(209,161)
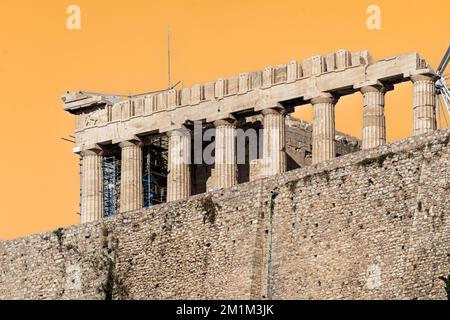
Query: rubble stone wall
(373,224)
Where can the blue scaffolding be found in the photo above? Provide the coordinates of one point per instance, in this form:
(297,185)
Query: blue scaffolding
(111,185)
(154,176)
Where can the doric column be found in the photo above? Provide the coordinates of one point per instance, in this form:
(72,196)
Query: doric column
(131,196)
(323,145)
(274,156)
(225,161)
(424,103)
(179,166)
(91,186)
(374,120)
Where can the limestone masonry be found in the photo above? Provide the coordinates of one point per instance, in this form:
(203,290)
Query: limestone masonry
(368,225)
(109,127)
(313,214)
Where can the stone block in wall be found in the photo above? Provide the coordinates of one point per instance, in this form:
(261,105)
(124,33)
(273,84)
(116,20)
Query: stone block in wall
(343,59)
(209,91)
(185,96)
(292,71)
(256,169)
(172,98)
(330,60)
(256,79)
(422,63)
(318,65)
(80,121)
(219,88)
(307,67)
(268,77)
(116,112)
(102,115)
(149,104)
(232,85)
(361,58)
(314,65)
(196,94)
(280,73)
(161,101)
(125,107)
(139,105)
(243,82)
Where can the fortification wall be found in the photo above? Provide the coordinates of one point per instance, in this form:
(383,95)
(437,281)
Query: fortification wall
(372,224)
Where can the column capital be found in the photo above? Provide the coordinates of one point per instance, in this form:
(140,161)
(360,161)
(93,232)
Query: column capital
(424,77)
(130,143)
(381,88)
(93,151)
(228,122)
(180,132)
(276,110)
(325,97)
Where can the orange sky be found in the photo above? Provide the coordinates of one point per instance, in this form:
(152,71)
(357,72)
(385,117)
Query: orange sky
(121,48)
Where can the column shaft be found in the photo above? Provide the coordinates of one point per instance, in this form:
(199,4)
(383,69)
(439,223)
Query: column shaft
(131,196)
(274,141)
(323,144)
(424,104)
(91,186)
(225,160)
(179,169)
(374,120)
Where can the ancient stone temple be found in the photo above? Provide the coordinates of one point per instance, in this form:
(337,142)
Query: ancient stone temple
(149,138)
(178,203)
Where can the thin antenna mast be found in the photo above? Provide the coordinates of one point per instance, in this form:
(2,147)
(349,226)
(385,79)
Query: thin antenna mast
(168,57)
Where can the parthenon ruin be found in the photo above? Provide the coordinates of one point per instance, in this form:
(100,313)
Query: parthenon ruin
(132,136)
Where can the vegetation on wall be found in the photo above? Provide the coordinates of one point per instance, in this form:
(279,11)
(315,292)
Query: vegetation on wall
(447,285)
